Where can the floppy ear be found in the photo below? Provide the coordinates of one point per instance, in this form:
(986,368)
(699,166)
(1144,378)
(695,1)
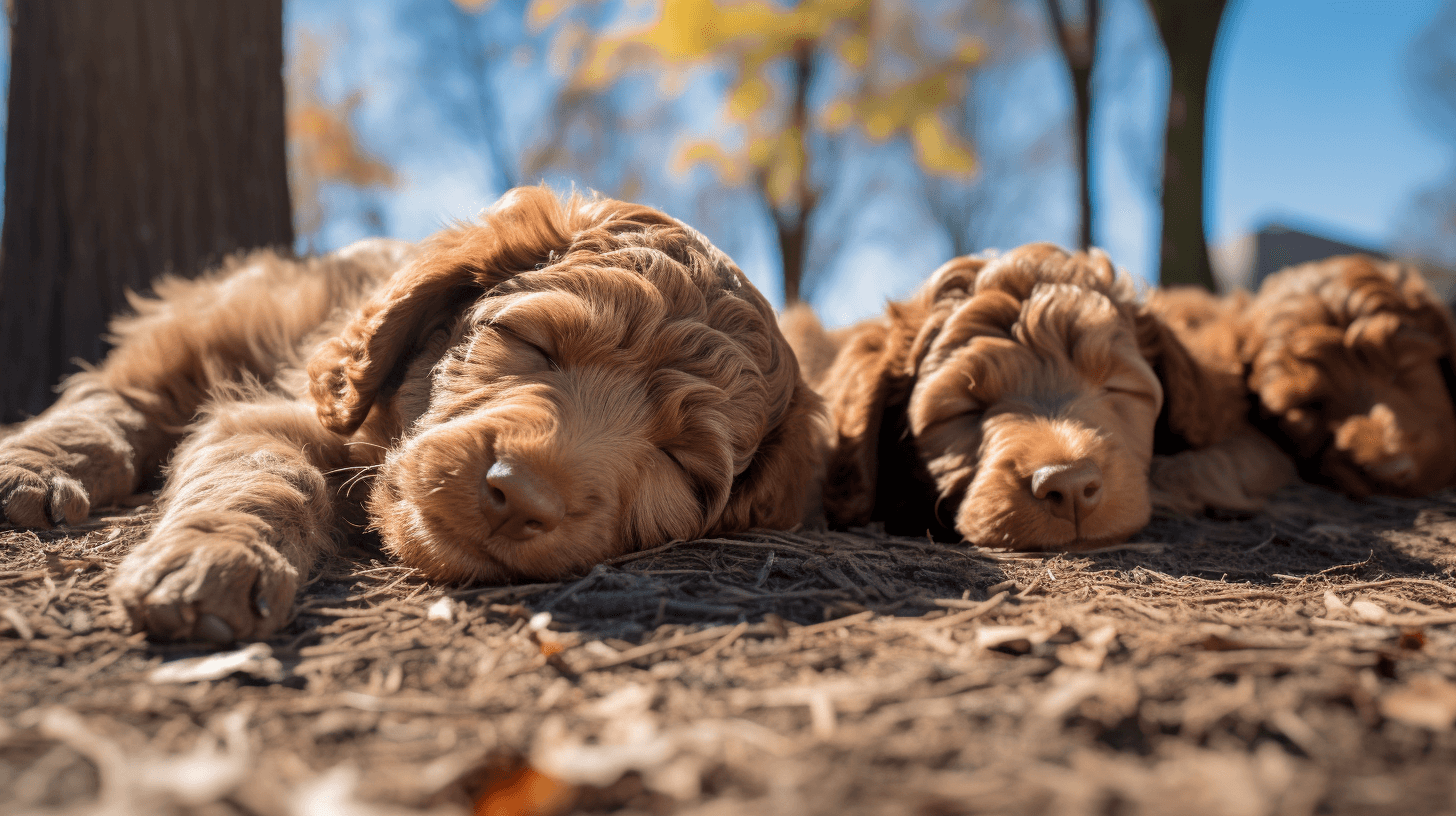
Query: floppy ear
(1440,323)
(347,372)
(774,489)
(869,380)
(1204,395)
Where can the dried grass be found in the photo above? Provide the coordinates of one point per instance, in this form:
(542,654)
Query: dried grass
(1300,661)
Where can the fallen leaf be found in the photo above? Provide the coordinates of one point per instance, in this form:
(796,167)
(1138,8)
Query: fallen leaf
(441,610)
(1428,701)
(1369,611)
(526,792)
(255,659)
(1014,637)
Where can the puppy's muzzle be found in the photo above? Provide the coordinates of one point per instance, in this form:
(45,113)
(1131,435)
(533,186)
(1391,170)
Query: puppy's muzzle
(1069,491)
(519,502)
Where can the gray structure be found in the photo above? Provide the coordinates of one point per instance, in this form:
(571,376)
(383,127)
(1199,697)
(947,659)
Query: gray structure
(1277,246)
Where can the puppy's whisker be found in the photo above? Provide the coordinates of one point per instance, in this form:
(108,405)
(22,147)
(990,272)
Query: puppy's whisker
(356,478)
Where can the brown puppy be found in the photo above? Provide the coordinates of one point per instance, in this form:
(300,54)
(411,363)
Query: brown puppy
(1011,402)
(523,397)
(1220,461)
(1351,359)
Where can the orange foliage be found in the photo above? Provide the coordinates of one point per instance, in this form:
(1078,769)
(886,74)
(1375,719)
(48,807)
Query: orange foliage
(748,39)
(526,792)
(322,145)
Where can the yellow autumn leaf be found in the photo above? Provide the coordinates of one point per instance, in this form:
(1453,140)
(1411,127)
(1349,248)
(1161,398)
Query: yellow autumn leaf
(712,154)
(877,120)
(786,171)
(761,148)
(750,97)
(542,13)
(855,50)
(836,115)
(938,150)
(970,51)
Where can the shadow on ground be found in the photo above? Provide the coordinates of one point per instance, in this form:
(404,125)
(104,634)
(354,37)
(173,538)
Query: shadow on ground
(1299,661)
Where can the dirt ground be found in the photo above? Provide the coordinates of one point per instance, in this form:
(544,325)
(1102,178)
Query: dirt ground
(1302,661)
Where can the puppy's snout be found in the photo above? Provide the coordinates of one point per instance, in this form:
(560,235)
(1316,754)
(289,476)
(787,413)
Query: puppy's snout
(519,502)
(1069,491)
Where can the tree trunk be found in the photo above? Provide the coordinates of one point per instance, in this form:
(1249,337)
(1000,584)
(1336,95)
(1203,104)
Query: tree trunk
(1079,49)
(1189,31)
(144,136)
(792,223)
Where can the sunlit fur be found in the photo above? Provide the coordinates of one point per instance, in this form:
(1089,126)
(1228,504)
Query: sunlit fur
(1351,359)
(604,347)
(1217,458)
(945,407)
(638,373)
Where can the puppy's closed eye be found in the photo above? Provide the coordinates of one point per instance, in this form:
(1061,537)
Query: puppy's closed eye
(535,349)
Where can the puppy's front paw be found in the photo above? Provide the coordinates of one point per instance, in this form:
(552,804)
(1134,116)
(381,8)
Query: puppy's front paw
(1193,482)
(214,578)
(36,492)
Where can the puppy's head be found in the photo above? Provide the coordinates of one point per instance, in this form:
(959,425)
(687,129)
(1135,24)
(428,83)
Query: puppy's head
(565,382)
(1013,399)
(1352,362)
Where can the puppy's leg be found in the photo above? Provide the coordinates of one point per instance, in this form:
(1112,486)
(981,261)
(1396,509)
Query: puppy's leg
(92,446)
(247,510)
(1237,473)
(113,427)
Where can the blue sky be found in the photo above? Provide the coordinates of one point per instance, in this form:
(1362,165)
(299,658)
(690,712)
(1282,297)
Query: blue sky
(1311,124)
(1313,120)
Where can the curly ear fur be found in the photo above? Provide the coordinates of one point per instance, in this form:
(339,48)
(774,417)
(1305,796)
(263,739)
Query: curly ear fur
(1208,455)
(871,377)
(1330,295)
(868,385)
(524,229)
(1191,340)
(764,494)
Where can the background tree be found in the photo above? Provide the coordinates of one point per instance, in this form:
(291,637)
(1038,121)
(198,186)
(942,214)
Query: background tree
(143,136)
(1077,38)
(1426,228)
(800,82)
(323,147)
(1189,31)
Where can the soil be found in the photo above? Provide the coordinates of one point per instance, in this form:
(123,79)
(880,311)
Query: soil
(1299,661)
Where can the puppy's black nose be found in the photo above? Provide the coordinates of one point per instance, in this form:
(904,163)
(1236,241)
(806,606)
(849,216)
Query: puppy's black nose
(1068,491)
(520,503)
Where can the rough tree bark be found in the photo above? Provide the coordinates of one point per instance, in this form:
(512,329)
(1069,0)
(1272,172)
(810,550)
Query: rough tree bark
(1079,49)
(1188,31)
(143,136)
(792,222)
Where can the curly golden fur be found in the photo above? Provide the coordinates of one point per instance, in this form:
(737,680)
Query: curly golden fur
(1217,459)
(1352,362)
(1011,402)
(521,397)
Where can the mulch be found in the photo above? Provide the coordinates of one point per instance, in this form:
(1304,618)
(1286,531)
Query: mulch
(1300,661)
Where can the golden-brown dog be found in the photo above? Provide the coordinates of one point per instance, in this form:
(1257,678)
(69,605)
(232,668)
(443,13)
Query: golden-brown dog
(1351,359)
(1218,459)
(1012,400)
(522,397)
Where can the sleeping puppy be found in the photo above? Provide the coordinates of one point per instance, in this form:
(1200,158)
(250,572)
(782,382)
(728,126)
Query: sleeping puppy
(1351,359)
(1011,402)
(1218,460)
(521,397)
